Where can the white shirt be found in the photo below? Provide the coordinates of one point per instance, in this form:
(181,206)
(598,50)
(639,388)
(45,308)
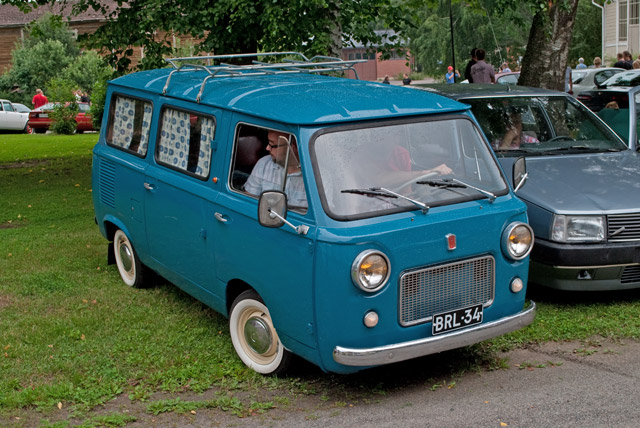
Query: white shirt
(267,175)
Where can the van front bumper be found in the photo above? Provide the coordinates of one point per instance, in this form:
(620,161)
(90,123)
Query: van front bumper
(432,345)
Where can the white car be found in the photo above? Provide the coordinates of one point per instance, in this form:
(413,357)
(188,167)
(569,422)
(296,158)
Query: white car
(586,79)
(11,119)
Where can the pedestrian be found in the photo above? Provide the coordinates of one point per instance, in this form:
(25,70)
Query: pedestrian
(467,71)
(386,79)
(481,72)
(597,62)
(504,68)
(581,64)
(39,99)
(449,77)
(406,80)
(636,64)
(568,80)
(623,62)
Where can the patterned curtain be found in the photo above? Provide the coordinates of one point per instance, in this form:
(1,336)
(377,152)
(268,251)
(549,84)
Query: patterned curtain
(174,138)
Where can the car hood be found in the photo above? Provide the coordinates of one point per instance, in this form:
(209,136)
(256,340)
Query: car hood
(583,184)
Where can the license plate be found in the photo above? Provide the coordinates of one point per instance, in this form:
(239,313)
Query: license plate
(453,320)
(43,115)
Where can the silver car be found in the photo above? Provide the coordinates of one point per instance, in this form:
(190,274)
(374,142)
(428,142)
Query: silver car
(583,191)
(586,79)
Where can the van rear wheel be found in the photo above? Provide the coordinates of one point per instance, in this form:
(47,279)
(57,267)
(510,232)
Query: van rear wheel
(254,337)
(131,270)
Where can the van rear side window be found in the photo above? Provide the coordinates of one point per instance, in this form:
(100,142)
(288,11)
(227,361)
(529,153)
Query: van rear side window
(129,124)
(185,141)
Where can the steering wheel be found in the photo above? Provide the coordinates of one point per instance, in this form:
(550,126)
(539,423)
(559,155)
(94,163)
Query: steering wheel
(560,138)
(413,180)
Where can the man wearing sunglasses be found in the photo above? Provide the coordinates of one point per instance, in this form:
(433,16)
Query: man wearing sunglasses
(268,173)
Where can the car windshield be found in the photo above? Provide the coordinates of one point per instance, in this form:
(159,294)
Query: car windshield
(377,170)
(629,78)
(542,126)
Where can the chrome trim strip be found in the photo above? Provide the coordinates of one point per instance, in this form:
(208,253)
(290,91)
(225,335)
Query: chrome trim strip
(431,345)
(595,266)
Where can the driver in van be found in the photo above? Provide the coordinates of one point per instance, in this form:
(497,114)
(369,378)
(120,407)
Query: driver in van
(268,172)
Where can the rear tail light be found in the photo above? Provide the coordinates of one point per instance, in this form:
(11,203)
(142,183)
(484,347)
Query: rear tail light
(584,97)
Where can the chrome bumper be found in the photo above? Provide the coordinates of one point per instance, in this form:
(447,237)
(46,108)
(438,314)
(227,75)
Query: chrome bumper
(432,345)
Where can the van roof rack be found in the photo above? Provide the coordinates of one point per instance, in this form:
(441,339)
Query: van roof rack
(295,63)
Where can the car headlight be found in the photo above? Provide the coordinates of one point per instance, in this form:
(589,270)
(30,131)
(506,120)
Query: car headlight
(370,270)
(577,228)
(517,240)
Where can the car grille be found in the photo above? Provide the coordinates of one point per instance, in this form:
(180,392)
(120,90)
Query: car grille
(631,224)
(630,274)
(433,290)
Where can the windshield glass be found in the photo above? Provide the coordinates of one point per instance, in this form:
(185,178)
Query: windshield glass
(542,126)
(374,171)
(627,78)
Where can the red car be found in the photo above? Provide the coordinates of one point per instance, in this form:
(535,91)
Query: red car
(40,120)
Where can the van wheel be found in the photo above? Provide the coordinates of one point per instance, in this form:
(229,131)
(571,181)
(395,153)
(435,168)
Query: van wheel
(131,270)
(254,337)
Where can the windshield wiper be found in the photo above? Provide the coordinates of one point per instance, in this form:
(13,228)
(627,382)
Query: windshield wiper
(381,191)
(448,183)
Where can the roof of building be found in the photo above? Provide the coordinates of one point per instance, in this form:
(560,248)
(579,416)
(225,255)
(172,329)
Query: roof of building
(301,99)
(12,16)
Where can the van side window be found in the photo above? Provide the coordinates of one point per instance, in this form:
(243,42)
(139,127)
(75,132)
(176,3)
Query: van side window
(260,156)
(129,124)
(185,141)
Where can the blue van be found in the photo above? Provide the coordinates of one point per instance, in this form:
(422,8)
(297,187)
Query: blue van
(350,223)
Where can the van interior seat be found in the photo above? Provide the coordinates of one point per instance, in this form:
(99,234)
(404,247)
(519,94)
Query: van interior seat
(248,151)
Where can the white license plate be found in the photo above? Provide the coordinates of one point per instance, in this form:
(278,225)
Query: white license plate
(453,320)
(43,115)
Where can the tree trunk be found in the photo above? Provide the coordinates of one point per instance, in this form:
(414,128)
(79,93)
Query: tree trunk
(546,57)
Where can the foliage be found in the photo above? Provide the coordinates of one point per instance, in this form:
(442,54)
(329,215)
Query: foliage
(503,34)
(98,98)
(587,34)
(234,26)
(63,116)
(50,51)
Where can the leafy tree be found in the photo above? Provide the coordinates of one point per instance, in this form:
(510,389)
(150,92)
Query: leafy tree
(86,70)
(587,34)
(233,26)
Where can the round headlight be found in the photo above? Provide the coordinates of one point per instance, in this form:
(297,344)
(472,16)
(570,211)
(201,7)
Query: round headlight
(370,270)
(517,241)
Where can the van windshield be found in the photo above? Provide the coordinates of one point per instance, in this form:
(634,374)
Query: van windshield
(394,167)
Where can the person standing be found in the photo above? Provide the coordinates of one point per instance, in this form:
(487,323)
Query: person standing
(581,64)
(504,68)
(386,80)
(449,76)
(467,71)
(481,72)
(39,99)
(597,62)
(568,80)
(406,80)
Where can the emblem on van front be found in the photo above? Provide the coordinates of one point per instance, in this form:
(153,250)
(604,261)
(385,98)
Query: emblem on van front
(451,241)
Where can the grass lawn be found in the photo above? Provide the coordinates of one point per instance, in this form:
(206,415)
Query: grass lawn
(74,337)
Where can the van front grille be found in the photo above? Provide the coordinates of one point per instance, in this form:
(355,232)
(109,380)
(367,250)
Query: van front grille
(433,290)
(623,227)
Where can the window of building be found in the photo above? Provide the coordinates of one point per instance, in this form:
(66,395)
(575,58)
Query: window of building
(634,12)
(622,20)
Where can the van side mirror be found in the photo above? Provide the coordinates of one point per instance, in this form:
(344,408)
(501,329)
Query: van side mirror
(519,173)
(272,208)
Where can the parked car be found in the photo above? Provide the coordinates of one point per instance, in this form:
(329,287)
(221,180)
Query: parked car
(508,78)
(40,118)
(315,212)
(21,108)
(586,79)
(582,193)
(12,120)
(615,88)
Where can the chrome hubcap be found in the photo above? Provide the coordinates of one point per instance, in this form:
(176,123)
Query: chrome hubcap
(258,335)
(126,257)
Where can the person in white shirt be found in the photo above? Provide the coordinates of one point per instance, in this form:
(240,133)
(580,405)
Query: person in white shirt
(268,173)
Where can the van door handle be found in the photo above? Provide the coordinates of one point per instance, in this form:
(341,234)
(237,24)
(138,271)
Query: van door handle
(149,186)
(220,218)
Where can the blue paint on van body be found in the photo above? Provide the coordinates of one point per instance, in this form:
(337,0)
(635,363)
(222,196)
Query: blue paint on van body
(202,234)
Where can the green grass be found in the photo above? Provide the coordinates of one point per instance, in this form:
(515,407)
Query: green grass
(73,335)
